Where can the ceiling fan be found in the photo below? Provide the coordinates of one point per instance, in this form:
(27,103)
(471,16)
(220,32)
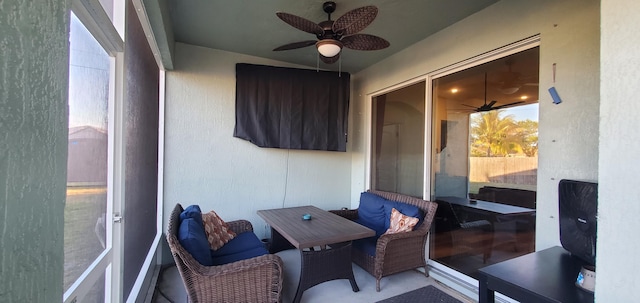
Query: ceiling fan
(333,35)
(490,106)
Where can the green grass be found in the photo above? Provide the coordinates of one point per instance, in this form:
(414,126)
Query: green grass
(81,245)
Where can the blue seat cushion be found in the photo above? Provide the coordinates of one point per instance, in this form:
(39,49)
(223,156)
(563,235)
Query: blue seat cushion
(192,237)
(242,255)
(371,212)
(242,242)
(405,209)
(192,211)
(367,245)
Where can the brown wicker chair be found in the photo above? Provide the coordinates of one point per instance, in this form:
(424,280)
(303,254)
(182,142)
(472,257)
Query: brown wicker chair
(395,252)
(257,279)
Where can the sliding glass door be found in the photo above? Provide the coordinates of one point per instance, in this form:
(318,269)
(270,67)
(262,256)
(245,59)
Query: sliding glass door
(480,121)
(397,146)
(484,162)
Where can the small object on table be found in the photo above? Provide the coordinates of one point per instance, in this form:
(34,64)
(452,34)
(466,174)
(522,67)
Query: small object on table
(473,201)
(306,217)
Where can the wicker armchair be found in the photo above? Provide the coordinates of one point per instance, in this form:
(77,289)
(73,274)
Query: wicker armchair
(257,279)
(395,252)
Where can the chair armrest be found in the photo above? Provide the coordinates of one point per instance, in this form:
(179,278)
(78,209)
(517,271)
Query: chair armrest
(351,214)
(405,242)
(386,238)
(240,226)
(261,277)
(246,265)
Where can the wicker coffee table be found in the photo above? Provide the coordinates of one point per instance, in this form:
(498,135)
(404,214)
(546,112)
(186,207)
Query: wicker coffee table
(324,243)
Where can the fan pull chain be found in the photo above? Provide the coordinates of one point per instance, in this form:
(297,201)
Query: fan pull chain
(318,63)
(340,66)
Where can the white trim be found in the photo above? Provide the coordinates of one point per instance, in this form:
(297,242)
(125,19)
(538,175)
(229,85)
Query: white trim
(118,179)
(504,51)
(95,19)
(89,277)
(428,146)
(111,172)
(161,127)
(145,270)
(148,31)
(368,108)
(460,282)
(154,253)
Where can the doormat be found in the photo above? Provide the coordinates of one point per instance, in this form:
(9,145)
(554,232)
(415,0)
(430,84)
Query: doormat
(429,294)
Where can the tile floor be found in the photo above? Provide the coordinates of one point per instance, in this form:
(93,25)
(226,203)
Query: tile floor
(171,289)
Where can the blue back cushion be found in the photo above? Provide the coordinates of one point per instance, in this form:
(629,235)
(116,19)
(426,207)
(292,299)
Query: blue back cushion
(193,211)
(371,212)
(192,237)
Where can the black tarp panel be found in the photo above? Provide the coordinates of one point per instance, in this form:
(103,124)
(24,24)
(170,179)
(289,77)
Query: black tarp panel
(291,108)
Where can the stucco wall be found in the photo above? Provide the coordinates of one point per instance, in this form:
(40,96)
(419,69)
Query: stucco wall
(33,148)
(568,134)
(206,165)
(618,207)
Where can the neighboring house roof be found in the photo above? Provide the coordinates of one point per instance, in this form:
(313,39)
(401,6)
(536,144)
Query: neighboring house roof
(87,132)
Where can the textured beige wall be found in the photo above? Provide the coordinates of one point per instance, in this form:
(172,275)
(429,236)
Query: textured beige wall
(33,148)
(618,207)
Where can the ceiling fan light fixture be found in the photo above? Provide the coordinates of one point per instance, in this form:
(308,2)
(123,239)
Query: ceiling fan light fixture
(329,47)
(508,89)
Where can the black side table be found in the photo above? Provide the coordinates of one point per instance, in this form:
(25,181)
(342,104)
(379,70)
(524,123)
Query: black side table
(545,276)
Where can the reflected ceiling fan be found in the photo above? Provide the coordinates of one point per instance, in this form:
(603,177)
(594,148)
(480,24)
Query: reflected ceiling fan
(490,106)
(333,35)
(512,81)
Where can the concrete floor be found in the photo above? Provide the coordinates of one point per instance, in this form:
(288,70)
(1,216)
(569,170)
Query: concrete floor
(171,289)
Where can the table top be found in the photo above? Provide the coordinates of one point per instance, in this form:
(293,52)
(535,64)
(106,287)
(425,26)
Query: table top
(323,228)
(548,275)
(498,208)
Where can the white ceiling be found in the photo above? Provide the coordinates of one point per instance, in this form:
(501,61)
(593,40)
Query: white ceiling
(251,26)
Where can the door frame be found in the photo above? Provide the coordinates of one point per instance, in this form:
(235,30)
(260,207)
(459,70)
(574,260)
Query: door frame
(93,16)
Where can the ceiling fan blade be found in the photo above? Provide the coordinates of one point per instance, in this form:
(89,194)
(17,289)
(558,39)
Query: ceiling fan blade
(468,105)
(329,60)
(507,105)
(301,23)
(355,20)
(295,45)
(364,42)
(492,103)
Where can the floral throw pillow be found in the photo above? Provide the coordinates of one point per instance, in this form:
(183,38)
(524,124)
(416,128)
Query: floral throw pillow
(400,223)
(218,232)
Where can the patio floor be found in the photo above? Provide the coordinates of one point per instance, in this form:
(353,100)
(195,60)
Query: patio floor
(171,289)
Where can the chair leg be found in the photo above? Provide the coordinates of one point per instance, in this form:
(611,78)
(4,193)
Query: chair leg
(377,284)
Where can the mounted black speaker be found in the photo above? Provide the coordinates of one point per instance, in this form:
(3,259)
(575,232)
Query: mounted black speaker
(578,206)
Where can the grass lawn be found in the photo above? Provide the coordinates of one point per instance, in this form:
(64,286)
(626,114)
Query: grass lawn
(83,207)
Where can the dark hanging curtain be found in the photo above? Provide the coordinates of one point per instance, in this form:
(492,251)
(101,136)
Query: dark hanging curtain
(291,108)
